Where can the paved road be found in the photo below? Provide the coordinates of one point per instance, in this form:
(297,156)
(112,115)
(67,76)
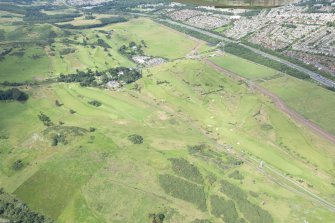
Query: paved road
(315,76)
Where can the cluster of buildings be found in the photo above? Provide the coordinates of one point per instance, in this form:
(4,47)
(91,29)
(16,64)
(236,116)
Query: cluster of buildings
(293,29)
(200,19)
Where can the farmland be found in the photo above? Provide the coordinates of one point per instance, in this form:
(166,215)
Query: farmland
(180,143)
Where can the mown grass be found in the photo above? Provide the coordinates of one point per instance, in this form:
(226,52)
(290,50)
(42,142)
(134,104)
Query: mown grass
(244,67)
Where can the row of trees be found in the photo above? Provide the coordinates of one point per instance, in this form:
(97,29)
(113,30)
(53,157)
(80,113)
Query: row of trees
(103,22)
(90,78)
(36,16)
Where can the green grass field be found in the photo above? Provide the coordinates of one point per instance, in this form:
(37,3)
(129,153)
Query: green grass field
(306,98)
(198,127)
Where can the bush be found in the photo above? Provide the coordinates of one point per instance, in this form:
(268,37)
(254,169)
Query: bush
(136,139)
(184,169)
(17,165)
(95,103)
(184,190)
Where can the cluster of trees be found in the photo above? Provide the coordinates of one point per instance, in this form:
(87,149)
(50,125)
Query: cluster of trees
(103,43)
(132,49)
(246,53)
(84,78)
(157,218)
(45,119)
(13,94)
(58,138)
(89,78)
(14,210)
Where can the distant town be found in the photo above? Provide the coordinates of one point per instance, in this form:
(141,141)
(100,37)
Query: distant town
(305,31)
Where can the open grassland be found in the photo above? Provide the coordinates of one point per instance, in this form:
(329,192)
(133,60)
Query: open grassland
(108,176)
(310,100)
(164,46)
(244,67)
(73,50)
(200,130)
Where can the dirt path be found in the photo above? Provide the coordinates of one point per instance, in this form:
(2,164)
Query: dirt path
(278,102)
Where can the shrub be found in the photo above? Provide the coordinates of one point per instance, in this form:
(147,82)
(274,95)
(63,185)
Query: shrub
(136,139)
(184,169)
(184,190)
(95,103)
(17,165)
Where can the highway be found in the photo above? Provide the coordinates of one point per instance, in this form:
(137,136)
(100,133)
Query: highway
(315,76)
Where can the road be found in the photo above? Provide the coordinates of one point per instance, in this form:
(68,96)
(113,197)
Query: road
(315,76)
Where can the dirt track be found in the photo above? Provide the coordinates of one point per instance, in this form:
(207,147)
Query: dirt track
(278,102)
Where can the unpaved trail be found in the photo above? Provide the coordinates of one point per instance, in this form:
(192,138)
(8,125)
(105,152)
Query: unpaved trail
(277,101)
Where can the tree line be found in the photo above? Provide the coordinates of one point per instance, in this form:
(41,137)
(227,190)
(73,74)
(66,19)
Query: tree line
(103,22)
(101,78)
(13,210)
